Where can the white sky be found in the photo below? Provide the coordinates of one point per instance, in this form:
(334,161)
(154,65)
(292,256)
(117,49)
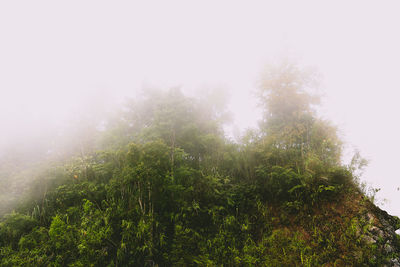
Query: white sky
(53,54)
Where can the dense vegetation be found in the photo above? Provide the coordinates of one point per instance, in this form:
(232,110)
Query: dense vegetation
(160,185)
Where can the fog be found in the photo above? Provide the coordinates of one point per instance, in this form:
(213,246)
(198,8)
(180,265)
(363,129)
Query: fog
(61,60)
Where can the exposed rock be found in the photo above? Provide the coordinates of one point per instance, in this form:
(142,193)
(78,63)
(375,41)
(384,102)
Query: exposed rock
(388,248)
(395,262)
(370,218)
(368,239)
(378,233)
(383,231)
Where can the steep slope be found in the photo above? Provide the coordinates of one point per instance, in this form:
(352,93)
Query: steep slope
(130,212)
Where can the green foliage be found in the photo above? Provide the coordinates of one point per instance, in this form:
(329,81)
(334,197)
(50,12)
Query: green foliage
(181,194)
(294,136)
(13,227)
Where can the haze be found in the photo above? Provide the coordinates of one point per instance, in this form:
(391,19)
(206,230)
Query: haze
(55,57)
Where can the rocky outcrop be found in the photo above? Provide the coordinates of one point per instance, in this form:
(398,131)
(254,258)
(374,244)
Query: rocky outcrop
(381,232)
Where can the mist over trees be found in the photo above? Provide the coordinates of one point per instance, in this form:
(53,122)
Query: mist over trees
(157,182)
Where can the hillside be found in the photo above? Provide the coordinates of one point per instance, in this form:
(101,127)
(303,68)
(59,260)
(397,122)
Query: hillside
(161,185)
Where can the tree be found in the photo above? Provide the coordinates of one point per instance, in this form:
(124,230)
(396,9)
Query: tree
(194,125)
(294,136)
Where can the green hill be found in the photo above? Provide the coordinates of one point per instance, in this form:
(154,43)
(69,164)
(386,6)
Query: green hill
(161,185)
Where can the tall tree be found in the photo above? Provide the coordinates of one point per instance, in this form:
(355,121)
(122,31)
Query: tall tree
(293,134)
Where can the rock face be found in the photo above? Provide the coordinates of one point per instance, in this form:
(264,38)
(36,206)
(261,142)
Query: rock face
(381,231)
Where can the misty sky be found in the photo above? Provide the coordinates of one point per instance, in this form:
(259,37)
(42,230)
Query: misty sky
(56,55)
